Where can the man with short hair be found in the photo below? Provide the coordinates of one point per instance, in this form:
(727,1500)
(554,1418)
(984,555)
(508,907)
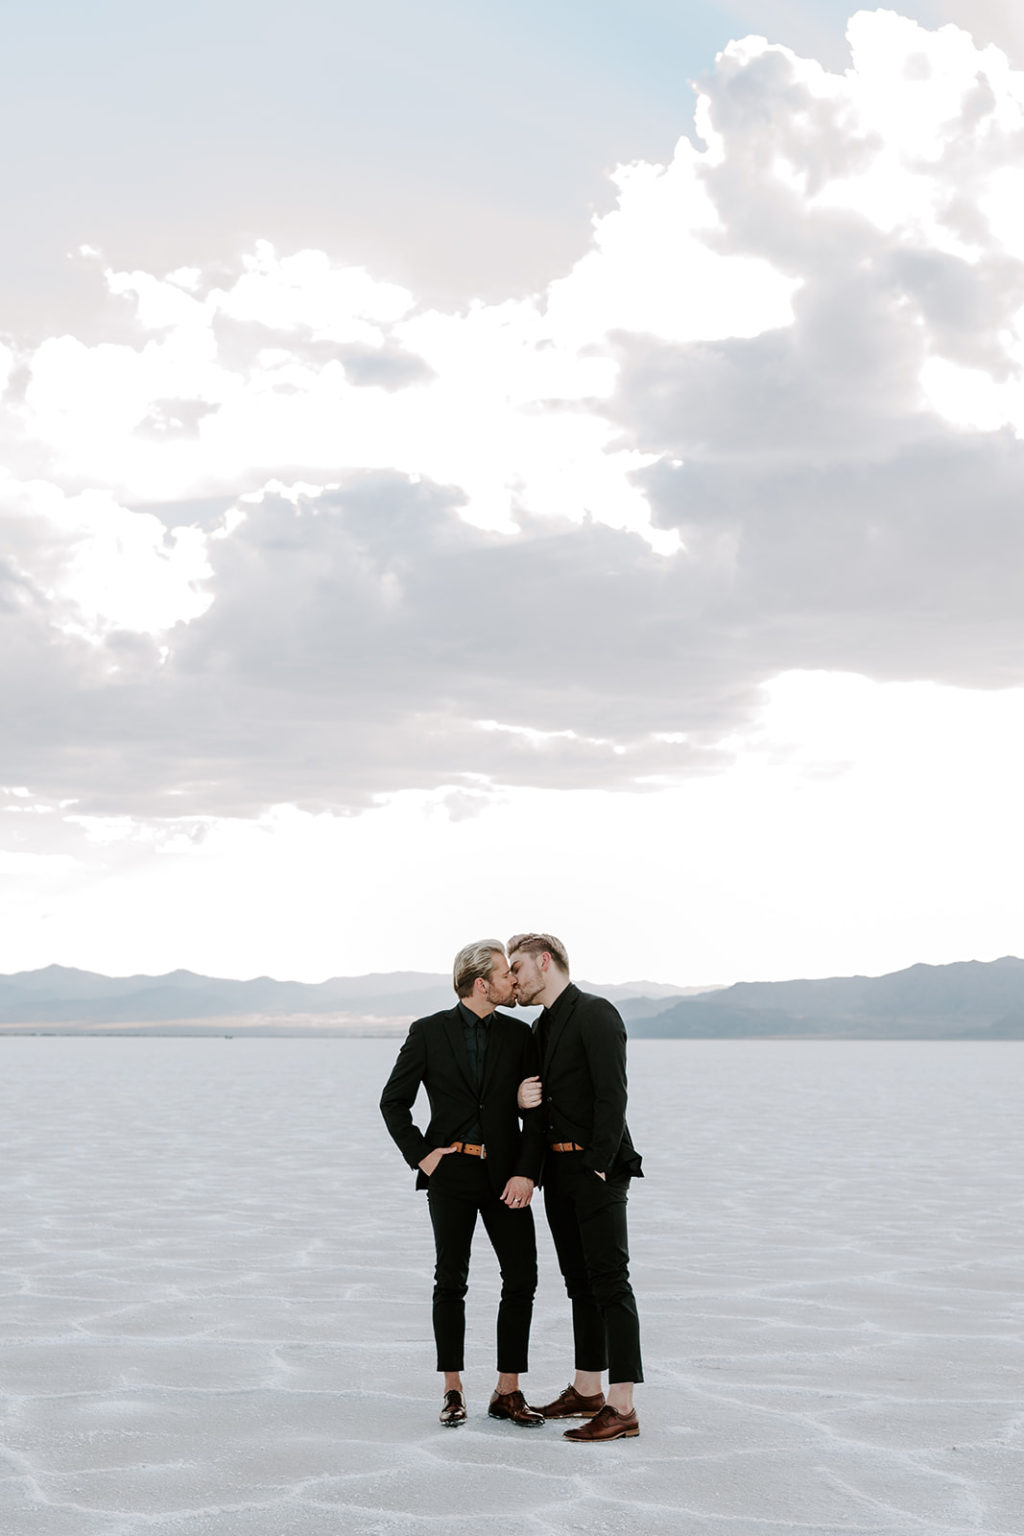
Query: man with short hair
(474,1159)
(588,1162)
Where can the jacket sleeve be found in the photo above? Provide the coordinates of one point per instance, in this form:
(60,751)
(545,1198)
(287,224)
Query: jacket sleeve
(399,1096)
(531,1143)
(604,1044)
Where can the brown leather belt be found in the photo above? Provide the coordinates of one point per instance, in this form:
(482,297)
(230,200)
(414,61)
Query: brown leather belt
(566,1146)
(471,1148)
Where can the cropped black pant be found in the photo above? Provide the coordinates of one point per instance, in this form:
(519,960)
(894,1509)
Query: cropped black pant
(460,1190)
(587,1217)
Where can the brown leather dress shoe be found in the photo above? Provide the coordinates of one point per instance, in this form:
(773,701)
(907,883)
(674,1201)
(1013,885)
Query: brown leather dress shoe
(606,1425)
(514,1407)
(573,1405)
(453,1409)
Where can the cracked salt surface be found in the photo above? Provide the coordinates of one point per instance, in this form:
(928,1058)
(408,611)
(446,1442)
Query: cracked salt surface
(214,1300)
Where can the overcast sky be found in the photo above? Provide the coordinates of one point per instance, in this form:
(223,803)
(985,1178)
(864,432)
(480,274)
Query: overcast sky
(475,468)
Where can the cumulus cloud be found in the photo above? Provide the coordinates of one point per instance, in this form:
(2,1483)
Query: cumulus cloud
(97,567)
(771,420)
(298,367)
(368,638)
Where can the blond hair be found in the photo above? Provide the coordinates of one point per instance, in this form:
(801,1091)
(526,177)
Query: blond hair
(537,944)
(473,962)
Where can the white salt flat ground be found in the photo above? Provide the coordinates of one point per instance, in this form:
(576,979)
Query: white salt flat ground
(215,1318)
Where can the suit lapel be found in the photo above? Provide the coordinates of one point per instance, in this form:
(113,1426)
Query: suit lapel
(557,1029)
(453,1029)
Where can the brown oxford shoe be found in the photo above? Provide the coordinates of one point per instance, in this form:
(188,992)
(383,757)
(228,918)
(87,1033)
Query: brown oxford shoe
(571,1404)
(606,1425)
(453,1409)
(514,1407)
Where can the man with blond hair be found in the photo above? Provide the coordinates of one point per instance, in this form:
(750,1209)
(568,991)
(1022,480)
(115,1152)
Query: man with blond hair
(474,1159)
(588,1162)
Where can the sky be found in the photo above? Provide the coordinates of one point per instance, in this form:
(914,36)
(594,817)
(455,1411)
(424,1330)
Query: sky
(470,469)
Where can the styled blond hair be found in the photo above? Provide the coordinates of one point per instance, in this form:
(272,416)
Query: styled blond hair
(537,944)
(475,961)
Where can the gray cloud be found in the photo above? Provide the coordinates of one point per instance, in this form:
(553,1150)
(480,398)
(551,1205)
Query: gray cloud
(354,643)
(386,366)
(358,639)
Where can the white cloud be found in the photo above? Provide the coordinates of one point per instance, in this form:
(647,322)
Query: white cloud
(267,373)
(971,397)
(307,292)
(98,565)
(655,270)
(175,417)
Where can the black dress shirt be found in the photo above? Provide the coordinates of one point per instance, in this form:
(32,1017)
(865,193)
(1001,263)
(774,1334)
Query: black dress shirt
(474,1033)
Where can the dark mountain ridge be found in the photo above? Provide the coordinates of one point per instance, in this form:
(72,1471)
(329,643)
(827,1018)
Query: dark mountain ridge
(968,999)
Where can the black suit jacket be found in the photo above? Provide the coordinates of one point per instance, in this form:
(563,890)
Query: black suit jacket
(584,1082)
(434,1054)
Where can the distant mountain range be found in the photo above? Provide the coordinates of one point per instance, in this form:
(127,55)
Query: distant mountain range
(64,999)
(968,1000)
(58,995)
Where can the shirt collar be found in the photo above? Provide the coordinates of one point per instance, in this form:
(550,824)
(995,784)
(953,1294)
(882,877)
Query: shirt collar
(469,1017)
(555,1009)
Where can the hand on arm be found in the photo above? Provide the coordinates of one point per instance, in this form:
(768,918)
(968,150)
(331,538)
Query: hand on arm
(530,1108)
(530,1093)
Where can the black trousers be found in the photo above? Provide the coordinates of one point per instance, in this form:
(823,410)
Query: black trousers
(587,1217)
(459,1191)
